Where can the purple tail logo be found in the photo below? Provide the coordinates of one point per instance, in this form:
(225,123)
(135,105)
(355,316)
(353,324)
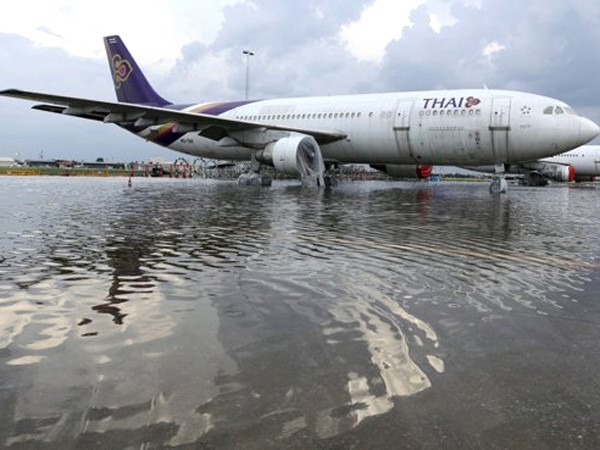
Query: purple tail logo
(121,69)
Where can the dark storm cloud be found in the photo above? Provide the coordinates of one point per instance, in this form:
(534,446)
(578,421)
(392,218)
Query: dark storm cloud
(29,132)
(27,66)
(279,27)
(297,51)
(549,47)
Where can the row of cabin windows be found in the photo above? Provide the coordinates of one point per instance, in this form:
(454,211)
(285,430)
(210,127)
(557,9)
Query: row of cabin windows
(331,115)
(353,115)
(348,115)
(450,112)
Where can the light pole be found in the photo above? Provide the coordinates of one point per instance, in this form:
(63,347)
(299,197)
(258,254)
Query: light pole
(248,54)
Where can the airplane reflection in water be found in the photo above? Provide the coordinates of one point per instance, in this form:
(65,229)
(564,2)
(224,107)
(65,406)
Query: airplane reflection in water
(305,136)
(382,324)
(277,316)
(212,308)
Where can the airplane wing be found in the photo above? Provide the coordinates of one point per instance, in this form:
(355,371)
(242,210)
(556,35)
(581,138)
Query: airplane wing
(119,112)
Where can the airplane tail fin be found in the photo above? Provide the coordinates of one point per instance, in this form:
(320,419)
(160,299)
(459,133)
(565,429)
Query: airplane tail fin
(131,85)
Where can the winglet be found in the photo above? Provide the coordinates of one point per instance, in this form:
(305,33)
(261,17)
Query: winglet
(131,85)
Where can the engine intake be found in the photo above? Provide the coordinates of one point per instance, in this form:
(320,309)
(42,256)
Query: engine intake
(296,155)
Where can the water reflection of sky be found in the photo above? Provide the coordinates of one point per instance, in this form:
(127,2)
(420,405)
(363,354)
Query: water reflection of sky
(200,311)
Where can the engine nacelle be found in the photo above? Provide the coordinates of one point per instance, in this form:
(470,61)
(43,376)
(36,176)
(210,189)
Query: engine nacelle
(295,155)
(558,172)
(419,171)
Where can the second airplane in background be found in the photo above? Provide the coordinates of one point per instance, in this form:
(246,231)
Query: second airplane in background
(303,136)
(580,164)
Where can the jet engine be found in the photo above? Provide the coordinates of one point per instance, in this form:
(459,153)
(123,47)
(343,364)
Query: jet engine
(419,171)
(557,172)
(296,155)
(538,173)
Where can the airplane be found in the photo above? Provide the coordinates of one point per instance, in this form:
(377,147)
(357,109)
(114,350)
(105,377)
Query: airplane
(303,136)
(580,164)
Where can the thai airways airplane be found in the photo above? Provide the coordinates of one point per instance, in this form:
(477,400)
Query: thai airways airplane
(465,127)
(579,164)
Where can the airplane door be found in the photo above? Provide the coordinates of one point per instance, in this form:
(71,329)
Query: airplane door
(402,128)
(500,128)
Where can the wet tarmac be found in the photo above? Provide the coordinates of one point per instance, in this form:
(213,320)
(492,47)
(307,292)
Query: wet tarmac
(200,314)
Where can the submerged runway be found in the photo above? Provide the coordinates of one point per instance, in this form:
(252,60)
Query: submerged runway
(202,314)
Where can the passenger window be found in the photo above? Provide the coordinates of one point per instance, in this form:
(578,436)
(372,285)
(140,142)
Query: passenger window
(549,110)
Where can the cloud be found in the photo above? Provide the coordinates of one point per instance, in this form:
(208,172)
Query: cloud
(546,47)
(30,132)
(158,31)
(379,23)
(296,45)
(193,52)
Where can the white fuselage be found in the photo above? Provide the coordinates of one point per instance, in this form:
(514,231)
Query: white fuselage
(585,160)
(455,127)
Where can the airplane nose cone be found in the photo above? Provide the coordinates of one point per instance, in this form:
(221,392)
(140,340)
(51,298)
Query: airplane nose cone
(588,130)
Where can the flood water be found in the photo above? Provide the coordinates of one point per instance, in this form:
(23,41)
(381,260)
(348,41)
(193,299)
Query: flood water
(202,314)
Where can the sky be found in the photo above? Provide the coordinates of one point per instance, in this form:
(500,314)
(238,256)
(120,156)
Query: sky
(192,51)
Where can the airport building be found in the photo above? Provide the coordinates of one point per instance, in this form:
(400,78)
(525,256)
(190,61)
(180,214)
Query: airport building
(6,161)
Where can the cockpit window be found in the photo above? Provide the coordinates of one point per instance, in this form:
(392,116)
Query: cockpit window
(549,110)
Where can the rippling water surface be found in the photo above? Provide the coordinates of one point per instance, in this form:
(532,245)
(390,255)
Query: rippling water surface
(201,314)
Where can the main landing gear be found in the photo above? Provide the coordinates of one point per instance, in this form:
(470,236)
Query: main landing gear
(253,177)
(499,185)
